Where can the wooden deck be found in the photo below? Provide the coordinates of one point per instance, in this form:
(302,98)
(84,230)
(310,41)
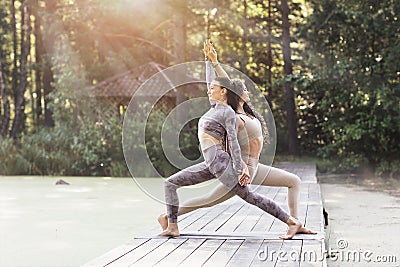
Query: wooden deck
(234,233)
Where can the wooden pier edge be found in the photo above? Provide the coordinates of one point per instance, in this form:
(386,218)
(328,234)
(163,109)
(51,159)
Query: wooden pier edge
(234,233)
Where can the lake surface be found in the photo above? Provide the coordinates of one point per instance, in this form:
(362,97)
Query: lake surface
(43,224)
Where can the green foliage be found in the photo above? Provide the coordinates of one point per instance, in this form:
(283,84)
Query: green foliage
(150,147)
(158,145)
(12,162)
(93,150)
(345,64)
(349,107)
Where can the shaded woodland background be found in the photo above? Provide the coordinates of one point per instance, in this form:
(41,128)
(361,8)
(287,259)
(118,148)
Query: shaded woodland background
(329,69)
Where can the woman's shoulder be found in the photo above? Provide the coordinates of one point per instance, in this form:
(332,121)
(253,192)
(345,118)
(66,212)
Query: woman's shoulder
(241,117)
(240,122)
(245,116)
(229,111)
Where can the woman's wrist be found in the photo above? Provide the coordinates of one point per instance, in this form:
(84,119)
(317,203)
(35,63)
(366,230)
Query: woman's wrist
(215,63)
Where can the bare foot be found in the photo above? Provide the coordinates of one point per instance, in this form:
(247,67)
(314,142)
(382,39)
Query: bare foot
(172,230)
(293,227)
(168,232)
(163,221)
(306,231)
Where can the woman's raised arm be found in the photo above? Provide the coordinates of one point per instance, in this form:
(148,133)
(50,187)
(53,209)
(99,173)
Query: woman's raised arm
(213,68)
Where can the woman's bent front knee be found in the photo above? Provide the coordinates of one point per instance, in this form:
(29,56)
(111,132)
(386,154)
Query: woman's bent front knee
(295,181)
(170,184)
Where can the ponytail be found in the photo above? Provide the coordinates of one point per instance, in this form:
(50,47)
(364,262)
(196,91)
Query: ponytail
(234,93)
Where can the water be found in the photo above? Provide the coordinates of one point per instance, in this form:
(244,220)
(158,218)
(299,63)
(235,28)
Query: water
(43,224)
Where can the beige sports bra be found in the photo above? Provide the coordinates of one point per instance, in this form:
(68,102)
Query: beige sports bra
(250,131)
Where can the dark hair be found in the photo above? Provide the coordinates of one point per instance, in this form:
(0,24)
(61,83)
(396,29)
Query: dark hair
(234,94)
(233,97)
(225,82)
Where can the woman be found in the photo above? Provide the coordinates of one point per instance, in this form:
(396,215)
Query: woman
(251,129)
(250,133)
(219,121)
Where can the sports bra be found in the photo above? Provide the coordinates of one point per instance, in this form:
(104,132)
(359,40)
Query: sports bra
(252,129)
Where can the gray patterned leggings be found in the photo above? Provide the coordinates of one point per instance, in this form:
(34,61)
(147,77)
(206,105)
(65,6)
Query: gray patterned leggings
(217,164)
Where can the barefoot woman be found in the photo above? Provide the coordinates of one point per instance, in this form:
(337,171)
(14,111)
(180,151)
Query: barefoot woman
(250,137)
(251,132)
(213,126)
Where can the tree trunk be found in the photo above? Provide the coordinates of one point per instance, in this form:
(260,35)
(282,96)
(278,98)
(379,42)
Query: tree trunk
(15,79)
(179,39)
(39,51)
(5,122)
(47,89)
(48,79)
(290,104)
(19,118)
(269,54)
(243,62)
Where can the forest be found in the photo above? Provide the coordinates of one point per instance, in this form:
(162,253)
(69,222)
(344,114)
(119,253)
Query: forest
(330,71)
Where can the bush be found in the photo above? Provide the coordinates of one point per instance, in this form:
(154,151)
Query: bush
(89,151)
(11,161)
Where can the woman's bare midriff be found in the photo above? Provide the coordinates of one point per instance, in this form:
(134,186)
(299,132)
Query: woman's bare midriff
(207,140)
(255,147)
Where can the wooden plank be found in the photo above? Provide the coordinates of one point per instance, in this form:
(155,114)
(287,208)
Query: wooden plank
(303,202)
(179,255)
(290,254)
(265,255)
(207,217)
(224,253)
(252,214)
(314,218)
(194,216)
(195,220)
(277,225)
(232,212)
(251,235)
(313,253)
(266,220)
(138,253)
(264,190)
(252,218)
(161,252)
(305,170)
(202,253)
(116,253)
(183,221)
(246,253)
(230,225)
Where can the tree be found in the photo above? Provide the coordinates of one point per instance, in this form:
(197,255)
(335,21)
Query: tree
(291,115)
(19,101)
(5,115)
(5,122)
(352,97)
